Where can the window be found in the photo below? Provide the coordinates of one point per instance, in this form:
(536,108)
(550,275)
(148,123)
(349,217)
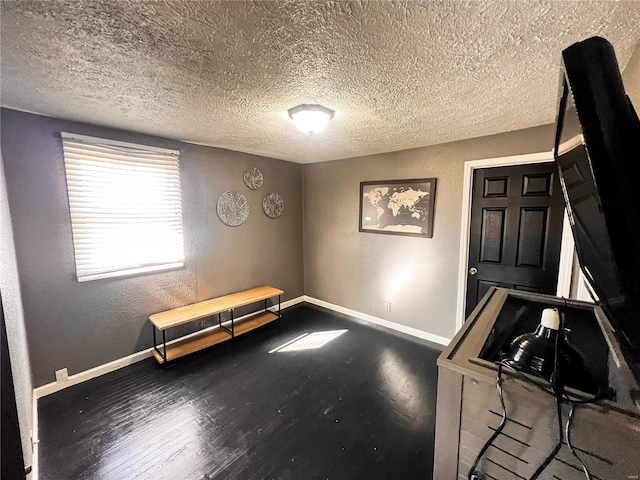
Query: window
(126,207)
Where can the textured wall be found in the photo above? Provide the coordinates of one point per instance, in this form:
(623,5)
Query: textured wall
(631,79)
(82,325)
(14,317)
(417,276)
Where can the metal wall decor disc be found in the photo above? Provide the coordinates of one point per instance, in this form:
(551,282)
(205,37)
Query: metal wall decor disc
(232,208)
(273,205)
(253,178)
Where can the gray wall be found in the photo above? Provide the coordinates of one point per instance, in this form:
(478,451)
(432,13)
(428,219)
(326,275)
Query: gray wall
(82,325)
(14,318)
(418,276)
(631,78)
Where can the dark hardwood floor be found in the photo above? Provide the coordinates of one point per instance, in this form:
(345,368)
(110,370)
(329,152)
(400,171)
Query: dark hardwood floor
(360,407)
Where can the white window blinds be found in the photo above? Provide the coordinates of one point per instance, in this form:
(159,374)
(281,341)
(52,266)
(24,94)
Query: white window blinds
(126,207)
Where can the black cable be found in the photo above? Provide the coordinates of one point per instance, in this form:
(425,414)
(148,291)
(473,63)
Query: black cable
(559,394)
(556,449)
(571,403)
(557,385)
(497,431)
(598,396)
(525,378)
(567,435)
(557,382)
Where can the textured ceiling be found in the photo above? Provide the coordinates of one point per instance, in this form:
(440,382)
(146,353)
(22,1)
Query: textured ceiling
(398,74)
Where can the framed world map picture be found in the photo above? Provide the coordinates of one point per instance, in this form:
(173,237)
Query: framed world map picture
(398,207)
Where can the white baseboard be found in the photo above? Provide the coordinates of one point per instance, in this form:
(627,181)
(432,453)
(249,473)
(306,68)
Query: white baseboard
(53,387)
(77,378)
(380,321)
(289,303)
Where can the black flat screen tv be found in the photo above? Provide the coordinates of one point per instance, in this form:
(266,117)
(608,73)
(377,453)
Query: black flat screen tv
(597,150)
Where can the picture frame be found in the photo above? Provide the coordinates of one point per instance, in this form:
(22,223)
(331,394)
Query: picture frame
(398,207)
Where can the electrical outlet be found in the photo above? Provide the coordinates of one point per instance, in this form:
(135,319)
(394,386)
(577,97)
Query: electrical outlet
(387,307)
(62,375)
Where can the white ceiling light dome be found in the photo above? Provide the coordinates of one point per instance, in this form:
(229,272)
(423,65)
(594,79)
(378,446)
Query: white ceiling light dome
(311,118)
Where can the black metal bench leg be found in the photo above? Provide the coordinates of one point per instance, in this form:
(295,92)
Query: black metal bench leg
(164,345)
(162,353)
(279,316)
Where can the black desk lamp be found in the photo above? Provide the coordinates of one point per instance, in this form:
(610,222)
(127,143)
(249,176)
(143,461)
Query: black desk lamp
(535,353)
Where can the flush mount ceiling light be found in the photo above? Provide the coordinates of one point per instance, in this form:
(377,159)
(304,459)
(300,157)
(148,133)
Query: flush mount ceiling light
(311,118)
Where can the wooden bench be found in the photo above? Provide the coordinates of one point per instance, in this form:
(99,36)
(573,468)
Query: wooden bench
(190,313)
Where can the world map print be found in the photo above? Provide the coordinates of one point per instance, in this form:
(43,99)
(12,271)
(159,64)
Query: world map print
(395,208)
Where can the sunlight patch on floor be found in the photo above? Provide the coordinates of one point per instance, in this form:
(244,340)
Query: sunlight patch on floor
(309,341)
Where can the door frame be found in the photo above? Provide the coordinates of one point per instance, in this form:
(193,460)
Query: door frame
(567,247)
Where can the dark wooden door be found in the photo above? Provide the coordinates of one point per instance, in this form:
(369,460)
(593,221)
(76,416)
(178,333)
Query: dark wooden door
(516,230)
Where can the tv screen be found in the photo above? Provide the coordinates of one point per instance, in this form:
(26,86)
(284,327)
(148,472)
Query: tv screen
(597,150)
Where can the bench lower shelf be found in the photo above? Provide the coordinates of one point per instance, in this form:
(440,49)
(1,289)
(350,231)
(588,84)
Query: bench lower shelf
(209,338)
(254,321)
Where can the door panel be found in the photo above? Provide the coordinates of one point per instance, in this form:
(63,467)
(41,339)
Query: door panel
(539,184)
(531,237)
(492,235)
(495,187)
(516,230)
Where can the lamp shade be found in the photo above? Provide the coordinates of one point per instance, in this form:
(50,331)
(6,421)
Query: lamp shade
(311,118)
(534,353)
